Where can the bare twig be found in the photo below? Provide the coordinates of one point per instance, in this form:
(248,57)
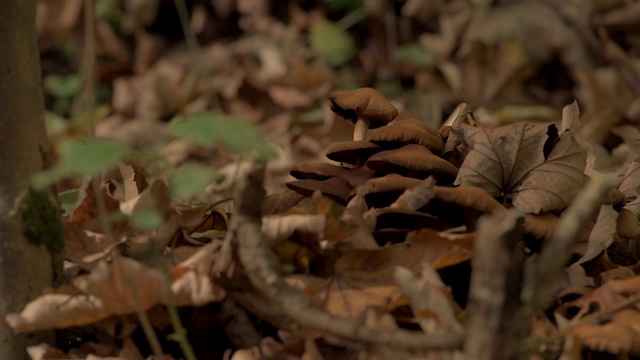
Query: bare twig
(261,265)
(495,286)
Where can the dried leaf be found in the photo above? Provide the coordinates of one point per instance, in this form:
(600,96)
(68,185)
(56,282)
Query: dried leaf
(416,197)
(430,299)
(602,234)
(277,228)
(365,278)
(618,336)
(524,162)
(119,287)
(279,203)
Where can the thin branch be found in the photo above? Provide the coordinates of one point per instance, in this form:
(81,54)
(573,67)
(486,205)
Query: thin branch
(261,264)
(495,286)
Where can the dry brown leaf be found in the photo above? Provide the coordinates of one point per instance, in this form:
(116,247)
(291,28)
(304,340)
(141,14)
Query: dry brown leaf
(630,183)
(59,309)
(541,226)
(515,22)
(523,162)
(289,97)
(86,208)
(606,97)
(430,299)
(364,278)
(277,228)
(336,229)
(416,197)
(279,203)
(602,234)
(620,335)
(84,247)
(455,148)
(119,287)
(351,293)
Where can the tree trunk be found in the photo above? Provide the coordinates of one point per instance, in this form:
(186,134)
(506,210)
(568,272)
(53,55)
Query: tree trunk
(25,266)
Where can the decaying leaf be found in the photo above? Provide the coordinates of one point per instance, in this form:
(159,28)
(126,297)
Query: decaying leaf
(119,287)
(617,332)
(529,163)
(365,278)
(602,234)
(280,227)
(430,299)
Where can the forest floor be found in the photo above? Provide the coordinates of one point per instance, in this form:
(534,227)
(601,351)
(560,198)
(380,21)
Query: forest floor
(495,216)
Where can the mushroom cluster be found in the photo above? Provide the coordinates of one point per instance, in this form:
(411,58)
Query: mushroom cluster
(385,157)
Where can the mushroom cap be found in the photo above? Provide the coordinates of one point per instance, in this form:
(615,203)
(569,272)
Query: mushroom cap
(415,160)
(352,152)
(408,131)
(316,170)
(467,196)
(394,218)
(461,205)
(364,103)
(335,188)
(383,191)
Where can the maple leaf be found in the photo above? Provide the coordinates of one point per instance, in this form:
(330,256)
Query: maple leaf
(532,164)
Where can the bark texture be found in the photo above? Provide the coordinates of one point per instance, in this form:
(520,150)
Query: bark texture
(25,269)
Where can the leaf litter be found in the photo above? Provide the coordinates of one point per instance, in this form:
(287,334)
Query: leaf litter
(148,206)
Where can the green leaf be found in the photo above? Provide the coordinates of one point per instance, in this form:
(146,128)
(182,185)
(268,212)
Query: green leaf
(190,180)
(63,86)
(91,156)
(211,129)
(48,177)
(415,54)
(146,219)
(68,200)
(266,151)
(55,124)
(331,42)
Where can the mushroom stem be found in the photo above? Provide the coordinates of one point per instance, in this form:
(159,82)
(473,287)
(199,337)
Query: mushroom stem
(360,132)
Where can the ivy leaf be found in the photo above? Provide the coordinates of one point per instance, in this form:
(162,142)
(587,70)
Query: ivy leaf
(147,219)
(211,129)
(63,87)
(85,157)
(415,54)
(190,180)
(332,43)
(91,156)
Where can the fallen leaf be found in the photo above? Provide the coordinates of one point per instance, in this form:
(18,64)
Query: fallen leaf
(522,162)
(364,278)
(119,287)
(430,299)
(602,234)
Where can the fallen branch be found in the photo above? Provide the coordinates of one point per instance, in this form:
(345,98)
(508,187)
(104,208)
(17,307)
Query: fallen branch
(261,266)
(495,286)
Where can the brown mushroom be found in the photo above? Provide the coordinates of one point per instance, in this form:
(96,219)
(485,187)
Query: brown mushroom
(383,191)
(407,131)
(461,205)
(352,152)
(335,188)
(366,107)
(316,170)
(395,218)
(414,161)
(393,224)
